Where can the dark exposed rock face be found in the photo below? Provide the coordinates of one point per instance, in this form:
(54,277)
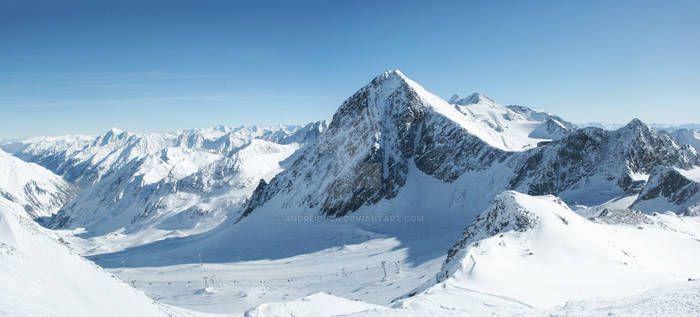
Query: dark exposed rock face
(445,151)
(621,217)
(669,184)
(497,219)
(668,188)
(609,155)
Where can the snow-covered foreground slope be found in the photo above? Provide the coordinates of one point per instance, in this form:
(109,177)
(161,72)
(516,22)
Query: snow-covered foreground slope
(681,299)
(40,276)
(533,256)
(316,305)
(677,300)
(523,241)
(523,255)
(273,273)
(40,192)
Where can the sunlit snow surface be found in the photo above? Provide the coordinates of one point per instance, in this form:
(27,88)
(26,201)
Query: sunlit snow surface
(499,126)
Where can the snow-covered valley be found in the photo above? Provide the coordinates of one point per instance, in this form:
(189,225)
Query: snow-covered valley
(403,204)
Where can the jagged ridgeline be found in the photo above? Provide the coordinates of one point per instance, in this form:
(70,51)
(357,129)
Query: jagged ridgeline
(588,161)
(185,180)
(386,134)
(393,123)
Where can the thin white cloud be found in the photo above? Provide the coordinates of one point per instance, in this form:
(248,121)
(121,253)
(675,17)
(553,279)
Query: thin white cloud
(106,102)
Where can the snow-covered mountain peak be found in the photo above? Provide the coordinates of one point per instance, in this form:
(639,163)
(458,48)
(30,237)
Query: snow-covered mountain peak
(512,128)
(522,240)
(185,181)
(498,126)
(474,98)
(393,74)
(113,135)
(115,131)
(590,159)
(391,83)
(636,125)
(386,126)
(366,153)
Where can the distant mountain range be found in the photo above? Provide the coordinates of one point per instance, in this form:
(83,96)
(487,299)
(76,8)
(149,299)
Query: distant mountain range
(655,126)
(169,184)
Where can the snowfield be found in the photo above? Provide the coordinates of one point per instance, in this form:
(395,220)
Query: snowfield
(558,263)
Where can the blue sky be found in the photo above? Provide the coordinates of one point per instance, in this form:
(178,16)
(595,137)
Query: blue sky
(84,67)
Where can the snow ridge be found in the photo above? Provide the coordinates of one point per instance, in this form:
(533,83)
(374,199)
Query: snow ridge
(38,190)
(522,241)
(162,185)
(41,276)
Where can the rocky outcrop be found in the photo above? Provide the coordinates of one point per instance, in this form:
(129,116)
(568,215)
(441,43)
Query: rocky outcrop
(669,189)
(510,212)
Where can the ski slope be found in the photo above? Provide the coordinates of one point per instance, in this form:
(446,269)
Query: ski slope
(533,256)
